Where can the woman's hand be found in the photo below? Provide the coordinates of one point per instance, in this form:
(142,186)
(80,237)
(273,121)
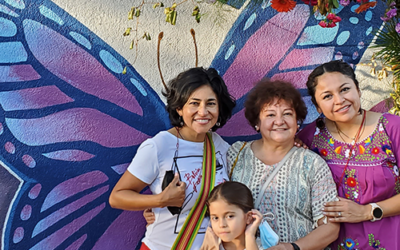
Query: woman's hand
(149,216)
(174,194)
(251,228)
(299,143)
(346,210)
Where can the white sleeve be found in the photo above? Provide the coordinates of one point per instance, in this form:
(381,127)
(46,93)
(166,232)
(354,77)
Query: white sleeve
(145,164)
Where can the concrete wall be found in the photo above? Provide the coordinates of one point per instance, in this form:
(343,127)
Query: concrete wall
(70,121)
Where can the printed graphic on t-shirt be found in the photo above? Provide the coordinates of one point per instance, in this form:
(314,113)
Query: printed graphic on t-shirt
(193,183)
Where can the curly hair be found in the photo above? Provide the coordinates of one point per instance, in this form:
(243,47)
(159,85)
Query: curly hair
(181,87)
(329,67)
(265,92)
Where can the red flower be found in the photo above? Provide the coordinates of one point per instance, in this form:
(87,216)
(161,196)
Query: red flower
(283,5)
(324,152)
(351,182)
(330,25)
(347,195)
(375,151)
(323,24)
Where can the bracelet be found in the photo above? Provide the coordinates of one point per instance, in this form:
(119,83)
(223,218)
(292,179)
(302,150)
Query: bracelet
(295,246)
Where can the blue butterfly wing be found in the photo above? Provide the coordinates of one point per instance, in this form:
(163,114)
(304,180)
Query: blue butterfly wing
(71,122)
(287,46)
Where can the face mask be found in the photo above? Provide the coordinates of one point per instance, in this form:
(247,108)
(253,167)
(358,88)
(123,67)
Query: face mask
(268,237)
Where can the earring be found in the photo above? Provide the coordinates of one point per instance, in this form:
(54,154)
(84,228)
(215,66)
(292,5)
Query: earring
(218,122)
(320,121)
(257,128)
(181,121)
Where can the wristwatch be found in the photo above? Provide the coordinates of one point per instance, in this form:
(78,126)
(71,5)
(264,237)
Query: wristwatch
(376,212)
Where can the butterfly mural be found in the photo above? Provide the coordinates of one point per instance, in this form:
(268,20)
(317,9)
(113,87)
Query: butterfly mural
(71,122)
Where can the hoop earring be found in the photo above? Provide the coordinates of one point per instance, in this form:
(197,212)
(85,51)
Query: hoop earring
(181,121)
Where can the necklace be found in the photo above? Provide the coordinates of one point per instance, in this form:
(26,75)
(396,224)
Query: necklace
(353,139)
(179,133)
(357,137)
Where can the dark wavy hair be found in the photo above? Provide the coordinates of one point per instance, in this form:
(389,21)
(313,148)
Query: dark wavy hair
(265,92)
(329,67)
(234,193)
(181,87)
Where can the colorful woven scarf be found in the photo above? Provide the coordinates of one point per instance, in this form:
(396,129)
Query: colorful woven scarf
(192,224)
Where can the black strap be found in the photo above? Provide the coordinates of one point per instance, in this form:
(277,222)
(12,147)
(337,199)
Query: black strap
(295,246)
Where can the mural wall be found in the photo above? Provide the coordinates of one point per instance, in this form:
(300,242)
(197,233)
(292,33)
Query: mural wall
(70,121)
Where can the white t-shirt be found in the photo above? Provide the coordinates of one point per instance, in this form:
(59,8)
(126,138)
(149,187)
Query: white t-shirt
(153,158)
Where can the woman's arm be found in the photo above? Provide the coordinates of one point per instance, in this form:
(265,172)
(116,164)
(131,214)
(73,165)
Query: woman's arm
(317,239)
(126,194)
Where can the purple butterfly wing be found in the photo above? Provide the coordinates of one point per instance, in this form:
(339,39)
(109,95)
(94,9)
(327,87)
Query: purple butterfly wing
(71,122)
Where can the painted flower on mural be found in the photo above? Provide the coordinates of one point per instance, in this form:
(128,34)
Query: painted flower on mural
(326,8)
(283,5)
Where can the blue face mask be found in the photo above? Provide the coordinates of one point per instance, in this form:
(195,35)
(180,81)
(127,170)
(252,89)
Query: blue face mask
(268,237)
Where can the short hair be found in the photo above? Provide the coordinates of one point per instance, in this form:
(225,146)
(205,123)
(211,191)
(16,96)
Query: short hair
(234,193)
(181,87)
(329,67)
(265,92)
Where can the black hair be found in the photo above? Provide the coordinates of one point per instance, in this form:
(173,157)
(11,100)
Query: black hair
(329,67)
(181,87)
(234,193)
(265,92)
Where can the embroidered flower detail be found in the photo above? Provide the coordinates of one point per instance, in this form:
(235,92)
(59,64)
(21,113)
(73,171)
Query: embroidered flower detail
(338,150)
(324,152)
(349,244)
(355,194)
(380,127)
(367,141)
(351,182)
(316,131)
(396,170)
(375,151)
(331,142)
(347,153)
(347,195)
(362,149)
(387,149)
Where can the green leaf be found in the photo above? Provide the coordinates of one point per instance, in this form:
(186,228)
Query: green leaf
(127,32)
(335,3)
(131,13)
(124,71)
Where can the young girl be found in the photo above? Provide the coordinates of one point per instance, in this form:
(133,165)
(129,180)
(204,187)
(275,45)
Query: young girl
(234,222)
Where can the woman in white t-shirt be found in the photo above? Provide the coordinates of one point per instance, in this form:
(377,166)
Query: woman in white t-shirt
(197,102)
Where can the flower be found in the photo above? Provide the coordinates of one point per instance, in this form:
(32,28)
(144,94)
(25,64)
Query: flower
(350,243)
(344,2)
(375,151)
(365,6)
(398,28)
(324,152)
(351,182)
(283,5)
(391,13)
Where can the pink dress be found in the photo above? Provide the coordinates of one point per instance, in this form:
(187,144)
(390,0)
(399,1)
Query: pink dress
(372,175)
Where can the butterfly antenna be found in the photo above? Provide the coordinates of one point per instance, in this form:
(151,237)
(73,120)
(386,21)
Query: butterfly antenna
(160,36)
(195,45)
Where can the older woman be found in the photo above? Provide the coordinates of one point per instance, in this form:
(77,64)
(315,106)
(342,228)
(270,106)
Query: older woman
(197,102)
(362,149)
(291,183)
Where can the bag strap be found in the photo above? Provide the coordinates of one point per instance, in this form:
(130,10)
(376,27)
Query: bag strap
(237,157)
(272,175)
(193,221)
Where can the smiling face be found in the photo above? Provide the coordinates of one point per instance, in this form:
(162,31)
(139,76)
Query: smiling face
(228,221)
(337,97)
(200,113)
(278,122)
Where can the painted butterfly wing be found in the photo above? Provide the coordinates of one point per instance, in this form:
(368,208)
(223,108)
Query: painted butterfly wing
(71,123)
(287,46)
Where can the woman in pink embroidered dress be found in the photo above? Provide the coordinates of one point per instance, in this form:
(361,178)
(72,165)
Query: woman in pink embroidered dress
(362,149)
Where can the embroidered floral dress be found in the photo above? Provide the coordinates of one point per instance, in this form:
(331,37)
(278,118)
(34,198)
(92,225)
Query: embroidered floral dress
(372,175)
